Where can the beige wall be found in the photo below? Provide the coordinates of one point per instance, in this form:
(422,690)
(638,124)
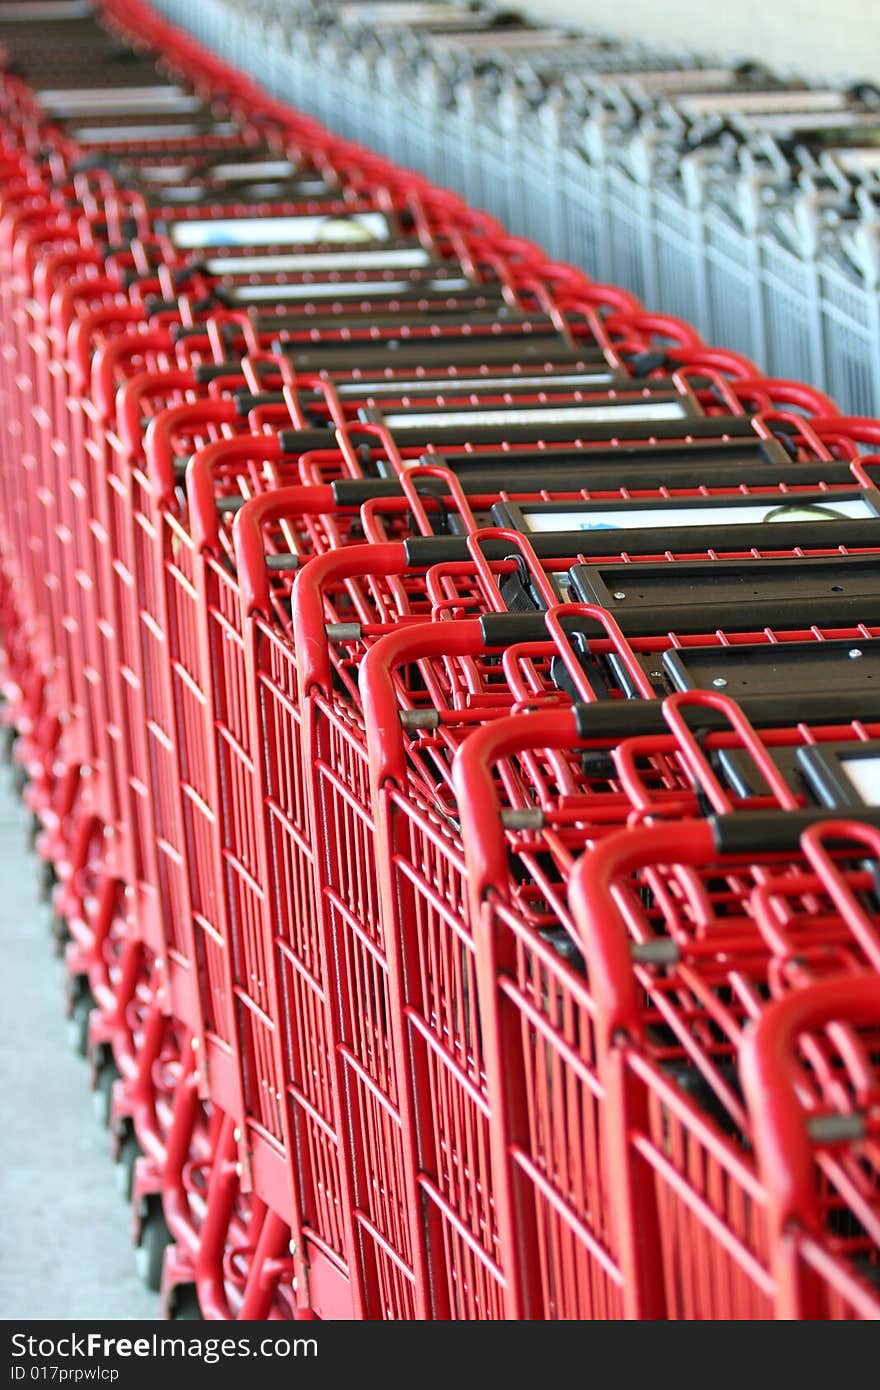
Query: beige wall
(822,37)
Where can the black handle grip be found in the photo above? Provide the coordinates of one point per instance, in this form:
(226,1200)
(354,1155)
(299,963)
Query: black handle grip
(756,832)
(290,440)
(130,278)
(246,401)
(762,711)
(424,551)
(507,629)
(353,492)
(210,371)
(154,305)
(179,331)
(619,719)
(301,441)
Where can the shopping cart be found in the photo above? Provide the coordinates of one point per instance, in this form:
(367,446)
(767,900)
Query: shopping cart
(714,1210)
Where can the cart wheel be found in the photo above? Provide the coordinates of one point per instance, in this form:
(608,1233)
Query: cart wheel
(78,1025)
(185,1306)
(102,1095)
(129,1153)
(7,745)
(155,1236)
(46,879)
(58,934)
(19,779)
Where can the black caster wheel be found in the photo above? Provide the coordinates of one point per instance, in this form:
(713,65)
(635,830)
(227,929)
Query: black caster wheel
(129,1153)
(7,744)
(155,1236)
(46,880)
(102,1095)
(78,1025)
(58,935)
(185,1305)
(19,779)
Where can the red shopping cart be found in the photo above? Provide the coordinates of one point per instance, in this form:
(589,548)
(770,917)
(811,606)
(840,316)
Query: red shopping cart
(710,1222)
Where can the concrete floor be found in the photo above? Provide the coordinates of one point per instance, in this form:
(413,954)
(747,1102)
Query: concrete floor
(64,1228)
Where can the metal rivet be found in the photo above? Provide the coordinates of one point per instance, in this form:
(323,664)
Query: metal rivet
(854,653)
(719,681)
(618,593)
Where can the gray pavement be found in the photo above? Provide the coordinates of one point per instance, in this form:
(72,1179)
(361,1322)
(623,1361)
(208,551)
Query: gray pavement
(64,1228)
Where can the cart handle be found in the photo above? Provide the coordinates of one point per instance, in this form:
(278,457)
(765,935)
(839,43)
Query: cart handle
(161,431)
(204,518)
(129,398)
(715,359)
(634,316)
(307,602)
(14,220)
(84,360)
(686,378)
(688,746)
(852,912)
(861,428)
(448,485)
(64,301)
(31,234)
(109,355)
(247,529)
(521,549)
(554,619)
(797,429)
(387,756)
(604,939)
(775,390)
(769,1074)
(350,434)
(47,267)
(476,792)
(577,727)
